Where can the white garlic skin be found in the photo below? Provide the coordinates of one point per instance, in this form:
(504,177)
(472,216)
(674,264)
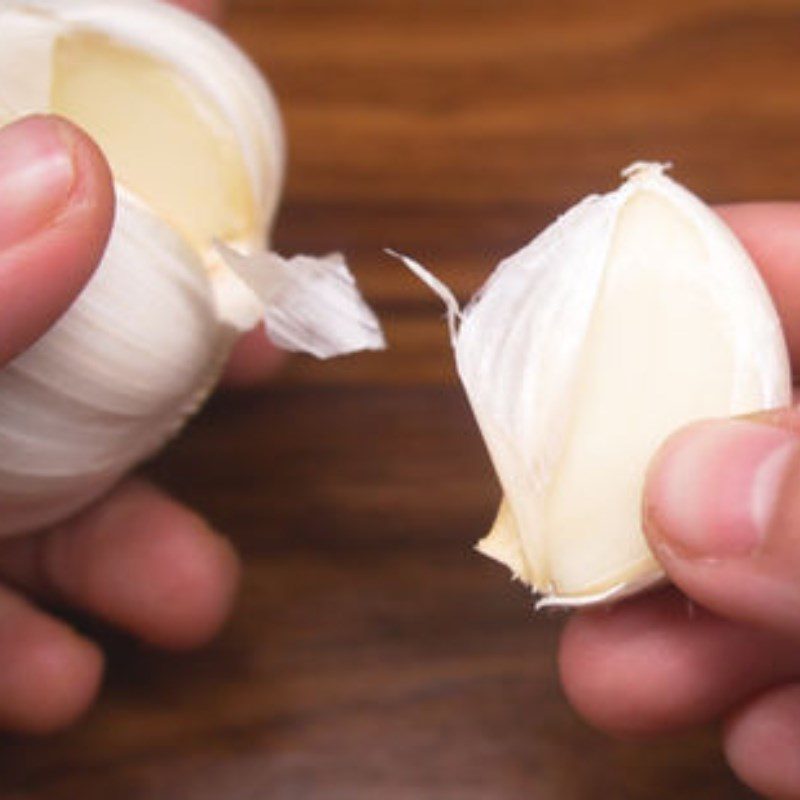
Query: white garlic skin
(145,342)
(635,313)
(105,387)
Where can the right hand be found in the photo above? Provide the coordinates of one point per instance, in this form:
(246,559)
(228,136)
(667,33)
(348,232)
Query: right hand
(723,517)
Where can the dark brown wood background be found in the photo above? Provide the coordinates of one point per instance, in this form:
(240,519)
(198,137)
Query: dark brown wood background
(373,655)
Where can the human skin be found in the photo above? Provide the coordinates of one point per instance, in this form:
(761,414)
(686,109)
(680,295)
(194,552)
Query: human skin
(144,563)
(137,560)
(722,513)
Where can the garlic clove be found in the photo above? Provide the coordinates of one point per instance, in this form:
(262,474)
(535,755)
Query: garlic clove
(165,143)
(209,69)
(503,544)
(634,314)
(186,122)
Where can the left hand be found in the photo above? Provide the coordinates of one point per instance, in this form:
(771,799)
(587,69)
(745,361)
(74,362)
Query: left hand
(136,559)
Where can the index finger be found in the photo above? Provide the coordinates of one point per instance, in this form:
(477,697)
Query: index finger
(771,234)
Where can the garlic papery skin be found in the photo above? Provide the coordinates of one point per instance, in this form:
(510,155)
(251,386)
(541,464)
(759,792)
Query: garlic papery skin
(111,381)
(194,139)
(635,313)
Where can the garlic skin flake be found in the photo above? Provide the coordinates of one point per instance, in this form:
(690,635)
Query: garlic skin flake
(194,139)
(635,313)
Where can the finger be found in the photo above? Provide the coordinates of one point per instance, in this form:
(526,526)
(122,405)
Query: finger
(55,216)
(722,513)
(762,742)
(655,664)
(137,560)
(771,233)
(48,673)
(253,360)
(210,9)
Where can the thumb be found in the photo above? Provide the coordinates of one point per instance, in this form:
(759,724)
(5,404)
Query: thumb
(722,514)
(56,210)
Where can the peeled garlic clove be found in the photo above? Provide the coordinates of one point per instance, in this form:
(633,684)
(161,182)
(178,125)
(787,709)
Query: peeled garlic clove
(194,139)
(636,313)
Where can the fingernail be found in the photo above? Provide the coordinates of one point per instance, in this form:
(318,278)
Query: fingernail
(713,489)
(37,175)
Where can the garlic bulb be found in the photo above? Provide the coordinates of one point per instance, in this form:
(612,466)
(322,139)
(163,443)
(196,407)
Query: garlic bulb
(194,139)
(635,313)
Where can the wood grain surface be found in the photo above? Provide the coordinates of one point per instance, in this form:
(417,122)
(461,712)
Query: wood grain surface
(373,655)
